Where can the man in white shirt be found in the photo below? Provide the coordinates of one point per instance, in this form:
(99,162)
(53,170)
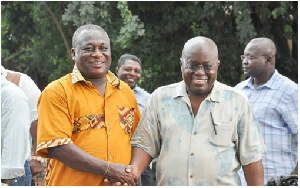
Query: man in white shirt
(200,130)
(33,165)
(15,124)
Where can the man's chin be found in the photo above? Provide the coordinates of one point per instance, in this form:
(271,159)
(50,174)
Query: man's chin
(132,86)
(247,74)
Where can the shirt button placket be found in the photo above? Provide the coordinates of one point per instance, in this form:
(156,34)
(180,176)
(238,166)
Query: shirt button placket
(192,154)
(108,127)
(110,151)
(110,155)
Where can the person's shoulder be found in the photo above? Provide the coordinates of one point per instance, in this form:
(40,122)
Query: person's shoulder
(168,87)
(167,90)
(10,90)
(64,81)
(242,84)
(287,87)
(23,76)
(285,81)
(232,91)
(142,91)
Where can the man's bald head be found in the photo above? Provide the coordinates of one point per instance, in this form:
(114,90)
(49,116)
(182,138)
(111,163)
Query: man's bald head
(200,44)
(264,45)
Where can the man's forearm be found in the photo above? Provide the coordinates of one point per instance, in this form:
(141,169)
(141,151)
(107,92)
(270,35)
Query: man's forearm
(254,173)
(33,133)
(74,157)
(140,160)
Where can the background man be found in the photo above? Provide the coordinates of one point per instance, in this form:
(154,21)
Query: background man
(87,118)
(200,130)
(129,69)
(274,98)
(33,165)
(15,142)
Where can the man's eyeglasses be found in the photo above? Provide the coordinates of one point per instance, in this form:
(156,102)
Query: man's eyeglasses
(194,66)
(250,57)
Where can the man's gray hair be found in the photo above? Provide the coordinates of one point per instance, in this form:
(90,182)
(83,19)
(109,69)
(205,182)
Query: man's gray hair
(88,27)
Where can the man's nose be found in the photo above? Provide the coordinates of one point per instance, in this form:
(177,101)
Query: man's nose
(97,52)
(200,69)
(245,61)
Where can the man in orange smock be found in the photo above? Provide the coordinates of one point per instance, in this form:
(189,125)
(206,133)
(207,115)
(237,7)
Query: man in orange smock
(87,118)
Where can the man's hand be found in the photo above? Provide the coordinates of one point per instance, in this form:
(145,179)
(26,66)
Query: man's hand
(36,167)
(119,174)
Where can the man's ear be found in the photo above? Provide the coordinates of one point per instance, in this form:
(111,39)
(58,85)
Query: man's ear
(73,53)
(269,58)
(117,70)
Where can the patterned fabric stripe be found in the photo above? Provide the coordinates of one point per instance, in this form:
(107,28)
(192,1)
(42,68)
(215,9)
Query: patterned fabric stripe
(49,168)
(53,143)
(126,118)
(89,122)
(111,78)
(76,75)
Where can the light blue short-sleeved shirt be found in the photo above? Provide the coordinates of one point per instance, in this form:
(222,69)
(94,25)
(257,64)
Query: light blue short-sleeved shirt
(276,107)
(142,97)
(190,150)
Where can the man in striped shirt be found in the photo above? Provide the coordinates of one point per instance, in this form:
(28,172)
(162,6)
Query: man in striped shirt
(274,98)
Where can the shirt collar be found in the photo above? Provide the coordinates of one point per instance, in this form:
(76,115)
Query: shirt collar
(76,75)
(271,83)
(136,89)
(215,94)
(111,78)
(180,90)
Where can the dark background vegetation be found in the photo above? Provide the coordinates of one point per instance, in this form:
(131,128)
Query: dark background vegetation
(36,36)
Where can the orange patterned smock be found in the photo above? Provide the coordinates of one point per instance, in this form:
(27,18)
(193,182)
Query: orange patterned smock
(71,110)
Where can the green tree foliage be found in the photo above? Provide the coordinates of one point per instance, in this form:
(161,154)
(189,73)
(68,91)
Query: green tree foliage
(16,42)
(36,36)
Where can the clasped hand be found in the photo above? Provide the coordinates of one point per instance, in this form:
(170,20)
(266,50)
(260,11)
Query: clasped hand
(121,175)
(36,167)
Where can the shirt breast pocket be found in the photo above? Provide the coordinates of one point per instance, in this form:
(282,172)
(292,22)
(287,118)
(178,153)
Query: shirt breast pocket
(126,116)
(223,133)
(89,122)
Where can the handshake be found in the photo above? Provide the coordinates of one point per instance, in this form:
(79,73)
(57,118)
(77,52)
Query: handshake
(119,174)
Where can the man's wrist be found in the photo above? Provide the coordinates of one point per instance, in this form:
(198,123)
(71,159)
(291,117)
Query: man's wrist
(5,182)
